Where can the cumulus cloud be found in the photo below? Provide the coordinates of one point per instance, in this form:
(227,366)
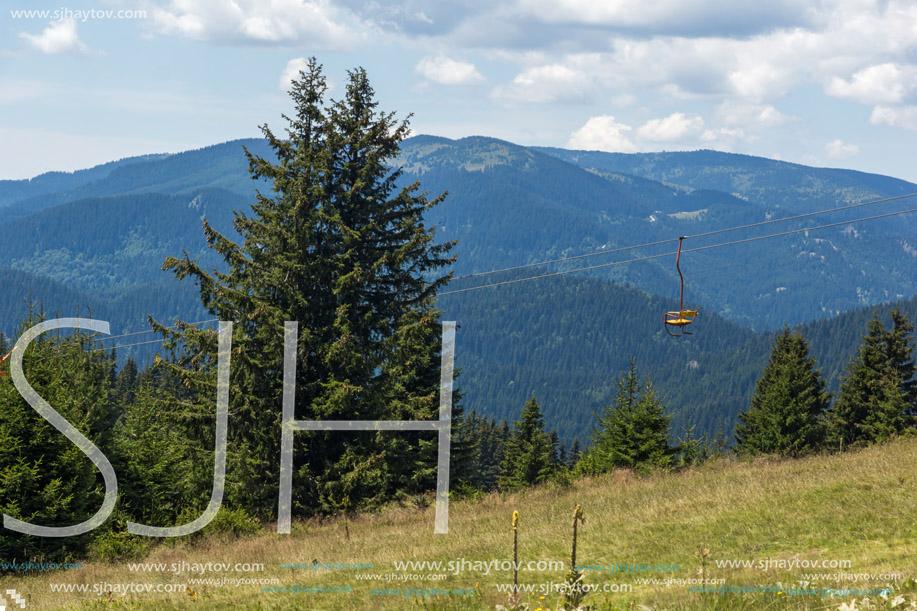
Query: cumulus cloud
(876,84)
(676,126)
(445,71)
(722,138)
(760,80)
(602,133)
(904,117)
(547,83)
(701,49)
(291,72)
(317,23)
(59,37)
(838,149)
(749,115)
(754,51)
(674,16)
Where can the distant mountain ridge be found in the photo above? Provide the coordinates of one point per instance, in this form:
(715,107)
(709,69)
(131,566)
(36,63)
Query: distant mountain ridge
(760,180)
(12,191)
(95,240)
(219,166)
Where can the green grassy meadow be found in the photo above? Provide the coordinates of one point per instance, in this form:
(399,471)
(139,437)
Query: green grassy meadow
(859,507)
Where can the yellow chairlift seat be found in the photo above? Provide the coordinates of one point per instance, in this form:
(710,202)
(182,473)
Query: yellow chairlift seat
(680,319)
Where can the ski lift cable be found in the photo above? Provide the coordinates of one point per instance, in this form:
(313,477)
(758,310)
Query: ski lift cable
(614,263)
(670,254)
(697,235)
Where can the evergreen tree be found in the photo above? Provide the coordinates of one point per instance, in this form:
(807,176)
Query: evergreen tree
(554,442)
(529,456)
(575,453)
(633,432)
(790,399)
(46,479)
(480,467)
(343,251)
(879,390)
(126,382)
(159,475)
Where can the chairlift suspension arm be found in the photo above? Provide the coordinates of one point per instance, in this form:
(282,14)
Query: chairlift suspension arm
(681,298)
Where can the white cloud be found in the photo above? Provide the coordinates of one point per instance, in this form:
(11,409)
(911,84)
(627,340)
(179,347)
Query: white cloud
(838,149)
(667,15)
(547,83)
(318,23)
(722,138)
(665,48)
(760,80)
(602,133)
(291,72)
(749,115)
(874,85)
(445,71)
(59,37)
(904,117)
(676,126)
(756,69)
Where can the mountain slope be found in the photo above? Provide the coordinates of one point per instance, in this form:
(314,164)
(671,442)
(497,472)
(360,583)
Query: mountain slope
(101,240)
(511,206)
(566,340)
(12,191)
(766,182)
(221,166)
(121,241)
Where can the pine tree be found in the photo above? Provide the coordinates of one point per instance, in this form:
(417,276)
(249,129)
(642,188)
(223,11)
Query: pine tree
(157,475)
(46,479)
(633,432)
(554,442)
(529,456)
(879,390)
(125,383)
(900,355)
(575,453)
(479,468)
(788,404)
(340,249)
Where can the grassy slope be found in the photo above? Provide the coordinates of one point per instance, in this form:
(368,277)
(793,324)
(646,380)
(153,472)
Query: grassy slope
(858,506)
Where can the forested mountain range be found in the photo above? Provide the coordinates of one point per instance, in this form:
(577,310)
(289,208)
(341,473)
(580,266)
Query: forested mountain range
(94,241)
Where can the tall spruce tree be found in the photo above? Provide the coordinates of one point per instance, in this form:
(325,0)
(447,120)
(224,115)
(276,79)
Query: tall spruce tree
(879,390)
(340,249)
(789,402)
(633,432)
(529,455)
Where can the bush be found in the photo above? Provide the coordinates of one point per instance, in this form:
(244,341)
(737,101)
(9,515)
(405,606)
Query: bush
(227,523)
(118,545)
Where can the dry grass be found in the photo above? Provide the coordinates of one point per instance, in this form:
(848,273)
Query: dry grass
(860,506)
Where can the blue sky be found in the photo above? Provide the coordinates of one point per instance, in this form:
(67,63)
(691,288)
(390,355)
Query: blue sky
(826,83)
